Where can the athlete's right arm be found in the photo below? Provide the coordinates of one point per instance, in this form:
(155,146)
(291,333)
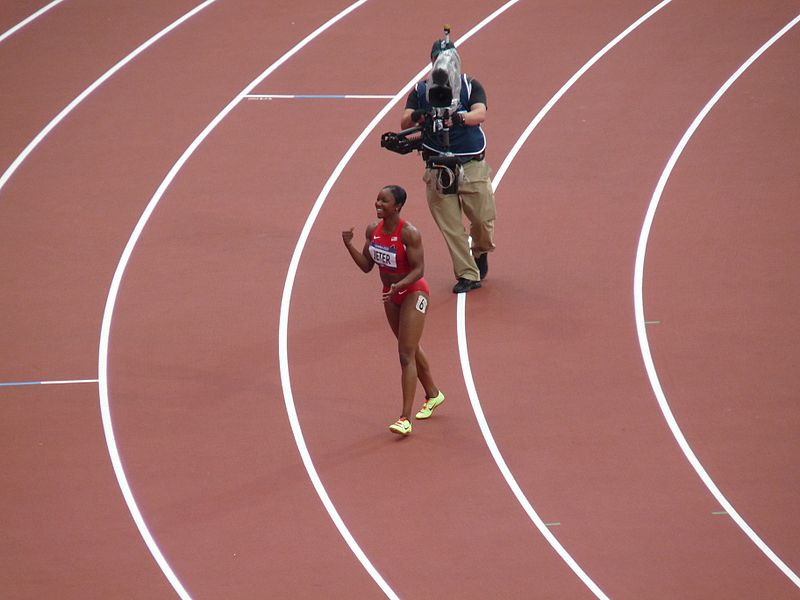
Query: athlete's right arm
(362,258)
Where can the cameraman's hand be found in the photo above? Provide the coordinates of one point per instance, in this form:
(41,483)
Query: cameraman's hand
(417,116)
(457,119)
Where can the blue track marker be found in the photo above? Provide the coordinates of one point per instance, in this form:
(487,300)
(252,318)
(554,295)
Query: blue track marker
(55,382)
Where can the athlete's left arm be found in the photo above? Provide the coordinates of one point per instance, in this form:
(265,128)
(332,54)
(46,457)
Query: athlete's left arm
(416,258)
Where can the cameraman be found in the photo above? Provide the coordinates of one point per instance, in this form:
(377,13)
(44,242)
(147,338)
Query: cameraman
(465,139)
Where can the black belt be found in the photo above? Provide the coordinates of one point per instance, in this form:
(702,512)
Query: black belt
(462,159)
(476,157)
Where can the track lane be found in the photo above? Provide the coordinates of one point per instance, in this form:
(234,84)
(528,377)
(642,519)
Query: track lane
(54,58)
(562,318)
(278,531)
(213,222)
(544,528)
(447,581)
(117,163)
(724,284)
(561,582)
(65,531)
(224,440)
(45,291)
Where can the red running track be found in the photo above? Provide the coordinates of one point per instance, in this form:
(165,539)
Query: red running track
(194,382)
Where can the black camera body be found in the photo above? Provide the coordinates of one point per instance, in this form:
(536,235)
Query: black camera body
(440,94)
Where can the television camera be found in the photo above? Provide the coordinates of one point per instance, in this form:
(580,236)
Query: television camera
(433,127)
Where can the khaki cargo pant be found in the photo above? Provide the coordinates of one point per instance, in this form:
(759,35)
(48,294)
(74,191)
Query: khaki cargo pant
(476,199)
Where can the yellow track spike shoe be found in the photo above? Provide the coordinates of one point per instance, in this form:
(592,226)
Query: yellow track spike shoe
(430,403)
(401,426)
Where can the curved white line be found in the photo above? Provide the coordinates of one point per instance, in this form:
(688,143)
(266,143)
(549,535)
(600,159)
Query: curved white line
(24,22)
(117,280)
(286,302)
(83,95)
(642,330)
(461,323)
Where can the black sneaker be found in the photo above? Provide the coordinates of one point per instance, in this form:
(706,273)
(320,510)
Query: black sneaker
(483,264)
(465,285)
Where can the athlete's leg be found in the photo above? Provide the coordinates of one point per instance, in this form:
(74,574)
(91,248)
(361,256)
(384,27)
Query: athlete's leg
(412,322)
(393,315)
(424,374)
(421,359)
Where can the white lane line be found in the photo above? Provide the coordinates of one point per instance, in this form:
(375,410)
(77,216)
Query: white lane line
(641,324)
(26,21)
(286,302)
(462,333)
(83,95)
(109,312)
(69,381)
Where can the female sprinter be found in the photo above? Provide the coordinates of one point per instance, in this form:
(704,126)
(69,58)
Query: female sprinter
(395,246)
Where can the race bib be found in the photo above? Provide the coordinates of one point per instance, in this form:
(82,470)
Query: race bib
(383,256)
